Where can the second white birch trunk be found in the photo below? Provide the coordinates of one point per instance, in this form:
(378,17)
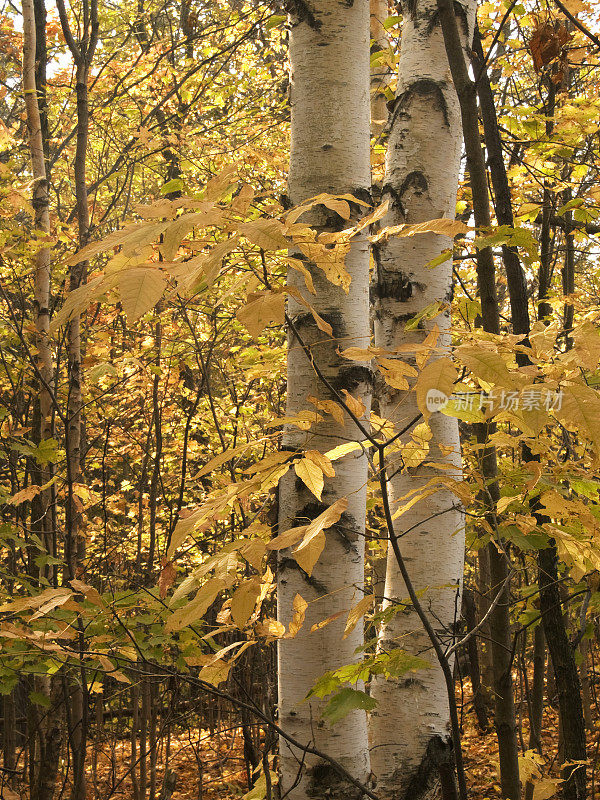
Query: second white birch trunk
(411,721)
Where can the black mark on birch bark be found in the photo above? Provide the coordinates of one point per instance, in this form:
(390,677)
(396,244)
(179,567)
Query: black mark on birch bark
(427,89)
(302,11)
(285,562)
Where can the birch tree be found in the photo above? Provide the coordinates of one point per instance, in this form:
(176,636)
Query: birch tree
(329,54)
(380,72)
(410,738)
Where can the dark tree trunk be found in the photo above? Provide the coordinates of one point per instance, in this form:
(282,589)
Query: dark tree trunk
(566,675)
(537,689)
(472,651)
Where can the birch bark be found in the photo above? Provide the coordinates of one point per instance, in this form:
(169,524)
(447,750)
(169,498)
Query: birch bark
(380,72)
(409,726)
(329,55)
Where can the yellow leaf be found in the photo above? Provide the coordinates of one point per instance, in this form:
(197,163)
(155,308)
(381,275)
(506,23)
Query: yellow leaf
(314,531)
(575,7)
(262,309)
(319,321)
(265,233)
(216,672)
(330,260)
(321,461)
(244,600)
(193,611)
(546,788)
(253,551)
(268,462)
(297,264)
(444,227)
(140,289)
(307,557)
(395,372)
(362,353)
(487,364)
(218,186)
(161,208)
(342,450)
(62,594)
(179,229)
(413,501)
(78,300)
(222,458)
(587,344)
(131,238)
(24,495)
(270,627)
(56,598)
(287,538)
(427,346)
(259,789)
(241,202)
(299,607)
(355,404)
(329,407)
(89,592)
(580,408)
(435,380)
(212,263)
(324,622)
(357,612)
(273,477)
(340,207)
(328,200)
(110,668)
(414,452)
(311,475)
(374,216)
(529,766)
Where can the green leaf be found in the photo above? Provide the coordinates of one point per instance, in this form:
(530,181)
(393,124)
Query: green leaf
(326,684)
(40,699)
(443,256)
(429,312)
(175,185)
(345,701)
(529,541)
(469,310)
(275,21)
(400,662)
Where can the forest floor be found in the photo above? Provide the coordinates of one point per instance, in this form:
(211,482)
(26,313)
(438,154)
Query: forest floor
(212,767)
(224,776)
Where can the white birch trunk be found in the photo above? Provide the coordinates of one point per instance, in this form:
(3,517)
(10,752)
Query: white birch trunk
(410,725)
(380,78)
(329,54)
(380,73)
